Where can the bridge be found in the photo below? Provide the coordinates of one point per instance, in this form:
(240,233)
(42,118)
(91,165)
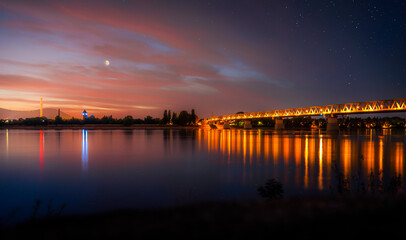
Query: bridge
(331,111)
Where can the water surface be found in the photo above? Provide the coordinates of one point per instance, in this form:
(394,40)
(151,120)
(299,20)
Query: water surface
(99,170)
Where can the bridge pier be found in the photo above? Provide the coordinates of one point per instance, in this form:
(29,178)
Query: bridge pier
(279,125)
(205,124)
(247,124)
(332,124)
(226,125)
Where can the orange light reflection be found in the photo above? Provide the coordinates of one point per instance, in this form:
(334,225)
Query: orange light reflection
(320,164)
(399,158)
(346,156)
(306,175)
(380,154)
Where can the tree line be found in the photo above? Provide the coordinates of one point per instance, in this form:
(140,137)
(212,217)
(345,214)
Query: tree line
(169,118)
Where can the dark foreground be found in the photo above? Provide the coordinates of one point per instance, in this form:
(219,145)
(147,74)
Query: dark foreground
(317,218)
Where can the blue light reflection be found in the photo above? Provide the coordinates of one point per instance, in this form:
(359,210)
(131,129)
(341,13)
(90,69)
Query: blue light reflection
(84,150)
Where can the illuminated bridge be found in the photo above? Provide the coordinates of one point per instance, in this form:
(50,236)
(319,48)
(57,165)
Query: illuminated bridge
(393,105)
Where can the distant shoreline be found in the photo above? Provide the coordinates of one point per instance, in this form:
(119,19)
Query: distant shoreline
(99,126)
(145,126)
(150,127)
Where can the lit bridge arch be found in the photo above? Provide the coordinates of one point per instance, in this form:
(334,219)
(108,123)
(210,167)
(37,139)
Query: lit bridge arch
(394,105)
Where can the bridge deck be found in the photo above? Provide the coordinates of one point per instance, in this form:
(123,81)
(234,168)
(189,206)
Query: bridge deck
(394,105)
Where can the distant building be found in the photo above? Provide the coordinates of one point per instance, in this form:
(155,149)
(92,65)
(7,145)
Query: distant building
(84,114)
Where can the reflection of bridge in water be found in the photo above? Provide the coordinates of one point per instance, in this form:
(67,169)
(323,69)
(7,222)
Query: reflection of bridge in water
(306,160)
(331,111)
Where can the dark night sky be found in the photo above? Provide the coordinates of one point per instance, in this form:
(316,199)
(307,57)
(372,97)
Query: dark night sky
(214,56)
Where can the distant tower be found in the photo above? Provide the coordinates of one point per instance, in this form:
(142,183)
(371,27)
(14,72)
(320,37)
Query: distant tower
(84,114)
(59,112)
(40,109)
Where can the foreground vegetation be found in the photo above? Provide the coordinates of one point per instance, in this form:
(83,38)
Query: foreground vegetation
(307,218)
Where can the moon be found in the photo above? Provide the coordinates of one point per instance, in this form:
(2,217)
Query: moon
(107,62)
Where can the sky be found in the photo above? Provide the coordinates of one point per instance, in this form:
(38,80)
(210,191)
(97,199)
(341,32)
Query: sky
(217,57)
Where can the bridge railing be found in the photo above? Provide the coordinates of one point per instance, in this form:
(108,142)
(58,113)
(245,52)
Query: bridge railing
(335,109)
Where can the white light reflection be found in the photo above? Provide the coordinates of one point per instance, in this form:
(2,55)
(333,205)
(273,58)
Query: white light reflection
(84,150)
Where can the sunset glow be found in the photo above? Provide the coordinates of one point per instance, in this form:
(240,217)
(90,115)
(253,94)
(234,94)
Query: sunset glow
(140,57)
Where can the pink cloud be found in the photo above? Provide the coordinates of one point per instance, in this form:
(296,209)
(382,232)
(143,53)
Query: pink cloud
(129,82)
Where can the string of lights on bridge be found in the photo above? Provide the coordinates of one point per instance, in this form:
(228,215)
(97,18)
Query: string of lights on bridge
(393,105)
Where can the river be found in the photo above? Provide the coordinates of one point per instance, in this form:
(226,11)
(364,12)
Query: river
(101,170)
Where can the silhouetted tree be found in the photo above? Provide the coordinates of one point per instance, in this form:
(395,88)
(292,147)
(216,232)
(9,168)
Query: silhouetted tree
(151,120)
(165,118)
(148,120)
(35,121)
(138,121)
(92,120)
(128,120)
(193,117)
(58,120)
(174,118)
(184,118)
(74,121)
(107,120)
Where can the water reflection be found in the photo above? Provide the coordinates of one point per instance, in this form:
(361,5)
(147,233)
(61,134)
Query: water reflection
(380,153)
(399,158)
(151,168)
(41,150)
(84,150)
(346,156)
(320,179)
(305,160)
(6,143)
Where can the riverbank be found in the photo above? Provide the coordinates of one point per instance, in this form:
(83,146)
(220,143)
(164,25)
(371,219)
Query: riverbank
(99,126)
(157,126)
(307,218)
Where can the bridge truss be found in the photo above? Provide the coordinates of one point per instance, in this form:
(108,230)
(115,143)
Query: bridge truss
(393,105)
